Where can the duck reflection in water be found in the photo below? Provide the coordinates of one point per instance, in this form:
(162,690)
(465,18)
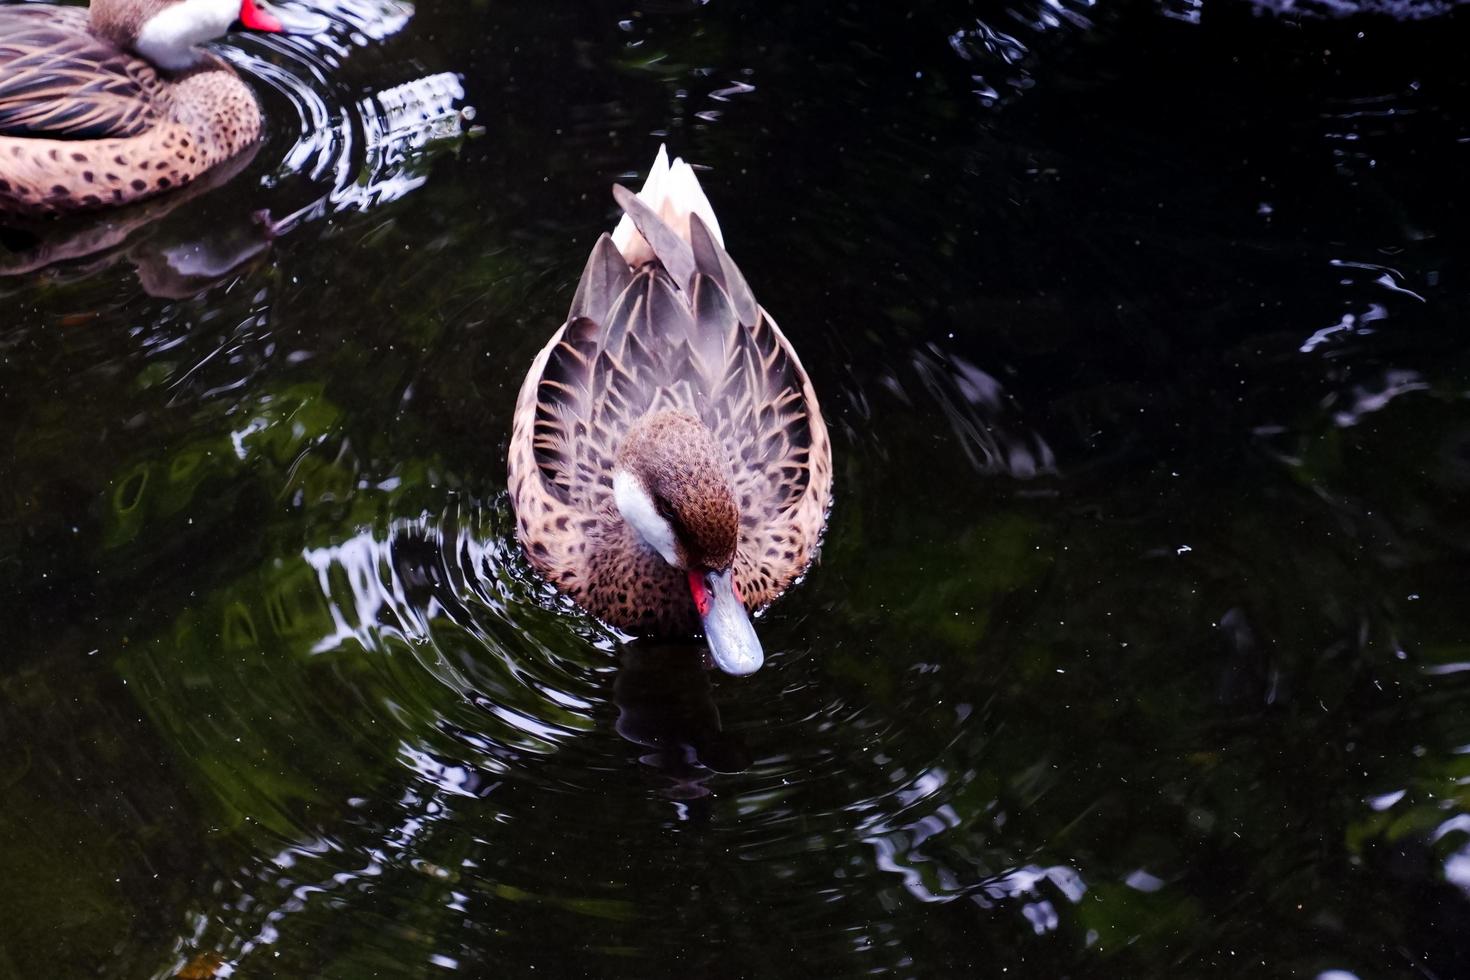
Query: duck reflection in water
(666,703)
(177,251)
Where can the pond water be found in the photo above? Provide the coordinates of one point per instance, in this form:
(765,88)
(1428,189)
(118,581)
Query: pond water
(1140,642)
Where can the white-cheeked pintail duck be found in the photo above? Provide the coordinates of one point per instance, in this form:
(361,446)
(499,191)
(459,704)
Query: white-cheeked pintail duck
(669,466)
(116,103)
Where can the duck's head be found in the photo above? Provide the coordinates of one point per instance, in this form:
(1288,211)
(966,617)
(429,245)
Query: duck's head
(168,32)
(671,485)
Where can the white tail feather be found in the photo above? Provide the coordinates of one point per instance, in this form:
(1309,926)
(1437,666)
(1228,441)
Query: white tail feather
(673,192)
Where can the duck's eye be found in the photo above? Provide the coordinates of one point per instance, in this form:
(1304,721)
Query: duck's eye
(664,508)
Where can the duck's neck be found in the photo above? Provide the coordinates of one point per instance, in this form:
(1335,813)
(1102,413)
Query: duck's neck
(170,39)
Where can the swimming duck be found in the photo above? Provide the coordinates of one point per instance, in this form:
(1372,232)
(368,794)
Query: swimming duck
(669,466)
(116,103)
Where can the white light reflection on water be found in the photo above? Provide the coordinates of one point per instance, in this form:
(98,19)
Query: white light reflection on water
(985,420)
(368,149)
(1350,323)
(898,843)
(421,583)
(1367,400)
(999,57)
(1457,864)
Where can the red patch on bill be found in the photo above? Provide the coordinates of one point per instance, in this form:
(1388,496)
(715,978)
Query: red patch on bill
(702,598)
(258,20)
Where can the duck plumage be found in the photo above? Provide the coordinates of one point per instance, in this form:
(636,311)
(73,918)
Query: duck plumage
(85,123)
(664,341)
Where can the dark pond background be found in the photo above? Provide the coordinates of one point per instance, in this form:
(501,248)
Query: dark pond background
(1140,645)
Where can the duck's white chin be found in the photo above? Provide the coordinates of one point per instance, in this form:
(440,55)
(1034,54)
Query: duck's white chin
(638,510)
(170,38)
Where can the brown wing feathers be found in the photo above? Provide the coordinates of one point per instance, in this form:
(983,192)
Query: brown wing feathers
(682,331)
(60,82)
(686,333)
(603,280)
(714,262)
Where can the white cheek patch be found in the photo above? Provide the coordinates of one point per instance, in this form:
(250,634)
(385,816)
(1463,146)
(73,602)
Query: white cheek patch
(637,509)
(169,38)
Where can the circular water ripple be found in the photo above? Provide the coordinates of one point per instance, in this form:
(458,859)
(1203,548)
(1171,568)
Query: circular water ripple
(367,146)
(392,703)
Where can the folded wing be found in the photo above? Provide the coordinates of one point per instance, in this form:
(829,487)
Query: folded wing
(57,81)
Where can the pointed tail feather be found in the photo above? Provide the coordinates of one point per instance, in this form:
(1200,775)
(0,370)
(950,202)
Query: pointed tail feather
(672,192)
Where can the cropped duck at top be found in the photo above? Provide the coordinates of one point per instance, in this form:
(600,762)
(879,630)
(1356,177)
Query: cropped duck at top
(669,466)
(113,104)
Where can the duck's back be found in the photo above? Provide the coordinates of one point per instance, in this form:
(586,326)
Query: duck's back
(681,332)
(58,81)
(84,124)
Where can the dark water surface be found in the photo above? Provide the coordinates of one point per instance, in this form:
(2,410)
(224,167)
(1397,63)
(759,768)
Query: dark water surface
(1141,641)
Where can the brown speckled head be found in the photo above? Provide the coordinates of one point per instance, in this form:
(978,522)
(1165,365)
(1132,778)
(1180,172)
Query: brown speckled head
(119,21)
(674,458)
